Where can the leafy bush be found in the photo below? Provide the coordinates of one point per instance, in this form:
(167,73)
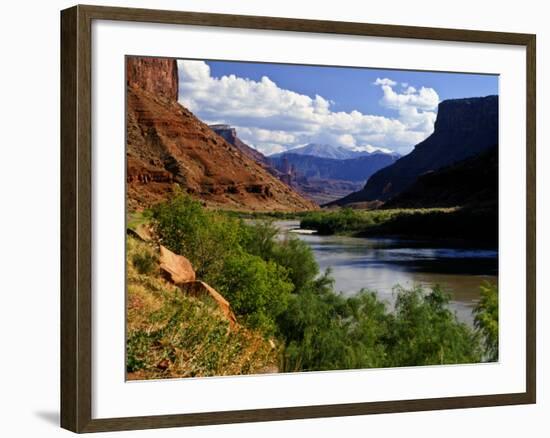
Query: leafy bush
(297,257)
(259,238)
(144,262)
(274,286)
(325,331)
(341,221)
(486,320)
(258,290)
(423,331)
(170,334)
(205,238)
(478,224)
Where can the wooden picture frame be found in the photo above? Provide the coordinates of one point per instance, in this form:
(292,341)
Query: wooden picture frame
(76,218)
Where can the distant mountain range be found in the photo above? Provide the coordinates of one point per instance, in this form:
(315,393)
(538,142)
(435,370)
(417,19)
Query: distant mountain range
(325,173)
(464,128)
(334,152)
(311,167)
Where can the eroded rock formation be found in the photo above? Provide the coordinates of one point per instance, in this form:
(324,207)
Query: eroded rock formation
(158,76)
(464,128)
(167,144)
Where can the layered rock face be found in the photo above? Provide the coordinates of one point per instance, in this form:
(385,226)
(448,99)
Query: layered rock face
(167,144)
(158,76)
(229,134)
(464,128)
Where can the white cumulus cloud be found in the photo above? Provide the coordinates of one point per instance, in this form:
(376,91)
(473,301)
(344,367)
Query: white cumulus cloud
(416,108)
(273,119)
(385,81)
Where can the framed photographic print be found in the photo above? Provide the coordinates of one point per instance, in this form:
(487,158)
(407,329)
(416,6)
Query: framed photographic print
(270,218)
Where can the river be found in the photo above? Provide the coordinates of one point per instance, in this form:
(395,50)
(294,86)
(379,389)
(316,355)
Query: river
(379,264)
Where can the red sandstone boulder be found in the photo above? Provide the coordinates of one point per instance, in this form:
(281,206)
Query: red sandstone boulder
(177,268)
(201,289)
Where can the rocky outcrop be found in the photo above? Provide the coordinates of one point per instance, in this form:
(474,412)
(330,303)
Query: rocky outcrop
(176,268)
(158,76)
(142,232)
(464,128)
(229,134)
(200,289)
(167,145)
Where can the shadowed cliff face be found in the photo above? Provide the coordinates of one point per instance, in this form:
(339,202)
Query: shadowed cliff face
(167,144)
(464,128)
(473,181)
(158,76)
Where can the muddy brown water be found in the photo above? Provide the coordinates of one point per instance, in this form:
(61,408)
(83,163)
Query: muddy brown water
(379,264)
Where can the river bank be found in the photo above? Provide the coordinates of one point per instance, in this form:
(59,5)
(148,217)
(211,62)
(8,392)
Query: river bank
(379,264)
(470,226)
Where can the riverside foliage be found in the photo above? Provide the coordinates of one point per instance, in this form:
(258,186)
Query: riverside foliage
(477,224)
(274,286)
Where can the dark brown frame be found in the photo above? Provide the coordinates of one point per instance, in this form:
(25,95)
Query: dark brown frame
(76,243)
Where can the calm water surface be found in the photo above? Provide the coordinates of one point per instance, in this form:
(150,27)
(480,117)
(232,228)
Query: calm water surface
(379,264)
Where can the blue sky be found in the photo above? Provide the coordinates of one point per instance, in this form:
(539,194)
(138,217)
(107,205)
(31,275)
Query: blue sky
(347,86)
(277,107)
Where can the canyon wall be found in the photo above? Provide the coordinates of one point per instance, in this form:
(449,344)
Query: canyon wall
(158,76)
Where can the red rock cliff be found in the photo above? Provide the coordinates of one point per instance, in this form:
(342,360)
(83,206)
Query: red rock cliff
(167,145)
(158,76)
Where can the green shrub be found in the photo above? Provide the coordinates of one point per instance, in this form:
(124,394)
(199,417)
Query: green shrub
(259,238)
(193,339)
(340,221)
(478,224)
(297,257)
(274,286)
(486,320)
(258,290)
(144,262)
(325,331)
(423,331)
(206,238)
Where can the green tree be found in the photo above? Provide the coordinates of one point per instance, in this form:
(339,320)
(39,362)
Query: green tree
(486,320)
(258,290)
(297,257)
(424,331)
(274,285)
(206,238)
(259,238)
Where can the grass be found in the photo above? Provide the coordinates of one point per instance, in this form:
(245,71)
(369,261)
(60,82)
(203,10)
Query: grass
(353,222)
(476,226)
(277,215)
(138,218)
(170,334)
